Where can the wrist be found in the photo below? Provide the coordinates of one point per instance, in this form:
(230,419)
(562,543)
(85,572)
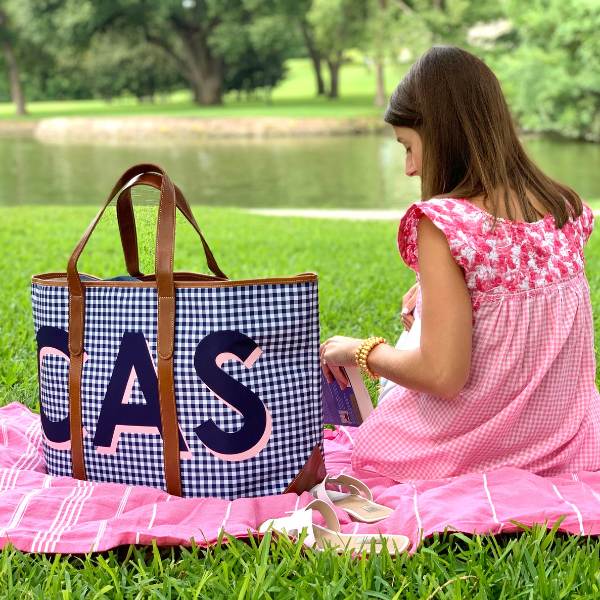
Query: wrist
(362,353)
(374,363)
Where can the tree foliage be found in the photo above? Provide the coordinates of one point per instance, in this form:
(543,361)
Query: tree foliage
(203,40)
(338,25)
(548,63)
(551,73)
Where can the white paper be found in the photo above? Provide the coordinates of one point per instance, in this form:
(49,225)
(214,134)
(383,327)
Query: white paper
(407,340)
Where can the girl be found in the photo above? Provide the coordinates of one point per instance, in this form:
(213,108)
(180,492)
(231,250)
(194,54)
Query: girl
(505,371)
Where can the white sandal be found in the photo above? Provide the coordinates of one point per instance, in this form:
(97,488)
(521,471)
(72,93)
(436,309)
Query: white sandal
(358,503)
(319,537)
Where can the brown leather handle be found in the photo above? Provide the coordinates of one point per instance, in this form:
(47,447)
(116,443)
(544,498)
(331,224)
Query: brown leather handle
(128,230)
(165,243)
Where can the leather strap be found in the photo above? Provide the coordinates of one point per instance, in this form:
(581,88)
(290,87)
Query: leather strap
(128,230)
(128,233)
(312,473)
(165,243)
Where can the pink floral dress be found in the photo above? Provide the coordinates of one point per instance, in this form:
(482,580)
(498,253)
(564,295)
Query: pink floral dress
(531,400)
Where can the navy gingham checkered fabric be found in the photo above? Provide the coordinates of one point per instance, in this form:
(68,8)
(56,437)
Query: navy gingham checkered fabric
(281,318)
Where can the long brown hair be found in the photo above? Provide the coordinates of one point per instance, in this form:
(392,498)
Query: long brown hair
(470,145)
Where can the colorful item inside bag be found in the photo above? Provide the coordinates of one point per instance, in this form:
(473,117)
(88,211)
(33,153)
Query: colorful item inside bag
(193,383)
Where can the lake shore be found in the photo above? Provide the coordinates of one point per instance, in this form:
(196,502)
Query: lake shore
(138,130)
(146,129)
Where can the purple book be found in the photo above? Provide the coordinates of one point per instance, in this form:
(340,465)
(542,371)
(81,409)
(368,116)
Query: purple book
(349,406)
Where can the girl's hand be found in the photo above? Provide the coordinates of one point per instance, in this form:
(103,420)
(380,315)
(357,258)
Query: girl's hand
(337,352)
(409,301)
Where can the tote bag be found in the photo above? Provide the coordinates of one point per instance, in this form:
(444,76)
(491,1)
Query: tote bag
(193,383)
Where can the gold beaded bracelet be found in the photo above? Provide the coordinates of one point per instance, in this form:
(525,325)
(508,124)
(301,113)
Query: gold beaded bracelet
(362,352)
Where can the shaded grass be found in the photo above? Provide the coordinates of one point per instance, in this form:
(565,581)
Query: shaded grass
(293,97)
(537,563)
(361,281)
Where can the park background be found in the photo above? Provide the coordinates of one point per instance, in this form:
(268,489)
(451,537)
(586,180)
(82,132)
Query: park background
(261,103)
(270,106)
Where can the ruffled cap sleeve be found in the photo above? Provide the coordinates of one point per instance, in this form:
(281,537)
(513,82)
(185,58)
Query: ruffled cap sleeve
(444,217)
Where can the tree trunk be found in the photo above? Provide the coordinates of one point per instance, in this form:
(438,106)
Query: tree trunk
(206,87)
(16,90)
(334,77)
(316,63)
(205,75)
(202,70)
(315,56)
(380,98)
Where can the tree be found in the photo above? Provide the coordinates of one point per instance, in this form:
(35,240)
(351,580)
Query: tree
(183,30)
(296,11)
(113,66)
(308,35)
(415,25)
(448,21)
(393,28)
(9,40)
(194,34)
(382,16)
(551,74)
(338,25)
(255,54)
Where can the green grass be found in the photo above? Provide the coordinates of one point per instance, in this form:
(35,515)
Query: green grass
(537,564)
(361,282)
(294,97)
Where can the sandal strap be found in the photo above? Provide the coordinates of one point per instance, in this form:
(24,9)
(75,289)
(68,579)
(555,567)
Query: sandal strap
(335,496)
(303,518)
(293,525)
(357,487)
(327,513)
(320,492)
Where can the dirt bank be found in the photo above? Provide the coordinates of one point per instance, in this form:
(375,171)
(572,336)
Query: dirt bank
(10,128)
(167,130)
(119,130)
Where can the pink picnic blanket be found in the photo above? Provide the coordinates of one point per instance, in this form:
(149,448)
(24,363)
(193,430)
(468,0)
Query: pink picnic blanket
(40,513)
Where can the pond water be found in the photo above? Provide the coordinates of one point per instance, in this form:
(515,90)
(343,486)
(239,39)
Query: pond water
(323,172)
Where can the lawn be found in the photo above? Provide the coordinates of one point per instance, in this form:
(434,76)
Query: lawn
(355,300)
(294,97)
